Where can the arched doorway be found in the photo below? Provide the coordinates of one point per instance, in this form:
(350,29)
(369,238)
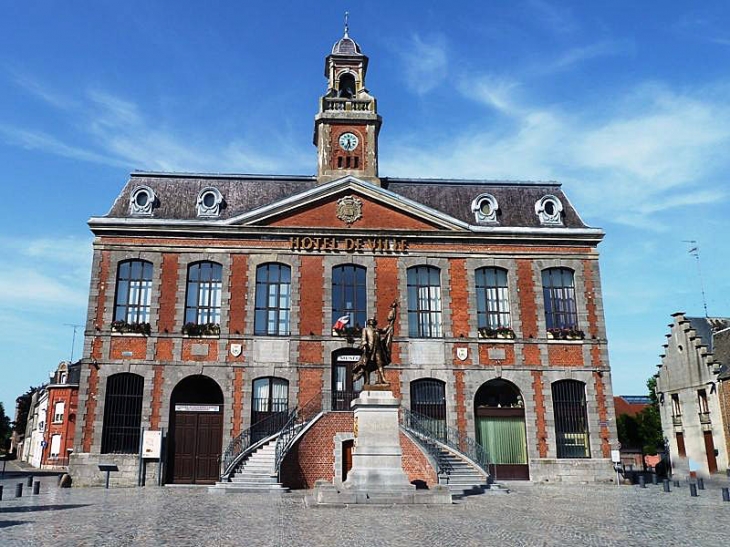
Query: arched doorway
(269,406)
(428,401)
(196,431)
(500,427)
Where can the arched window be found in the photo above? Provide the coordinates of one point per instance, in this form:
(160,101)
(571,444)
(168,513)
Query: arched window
(428,401)
(273,299)
(269,406)
(347,86)
(558,292)
(493,309)
(134,291)
(122,414)
(571,420)
(424,302)
(203,300)
(349,295)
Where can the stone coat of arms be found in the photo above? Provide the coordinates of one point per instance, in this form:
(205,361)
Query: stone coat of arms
(349,209)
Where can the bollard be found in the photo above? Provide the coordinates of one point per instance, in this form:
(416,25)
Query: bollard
(1,492)
(30,481)
(693,490)
(654,479)
(36,488)
(642,481)
(700,483)
(666,485)
(725,494)
(19,490)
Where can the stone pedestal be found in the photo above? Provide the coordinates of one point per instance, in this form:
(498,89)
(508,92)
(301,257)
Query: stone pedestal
(377,475)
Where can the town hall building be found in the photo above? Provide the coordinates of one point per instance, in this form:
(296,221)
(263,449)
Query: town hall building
(225,312)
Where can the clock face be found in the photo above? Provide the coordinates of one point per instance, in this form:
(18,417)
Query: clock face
(348,142)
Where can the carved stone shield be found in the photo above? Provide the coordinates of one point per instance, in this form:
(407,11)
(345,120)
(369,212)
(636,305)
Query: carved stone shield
(349,209)
(236,349)
(462,353)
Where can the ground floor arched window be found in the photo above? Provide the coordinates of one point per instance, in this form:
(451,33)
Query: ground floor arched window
(122,414)
(428,402)
(571,420)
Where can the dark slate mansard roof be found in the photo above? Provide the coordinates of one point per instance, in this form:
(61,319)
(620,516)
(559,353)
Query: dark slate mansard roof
(177,195)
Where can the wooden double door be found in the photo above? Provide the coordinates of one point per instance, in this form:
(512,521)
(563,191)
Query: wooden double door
(197,438)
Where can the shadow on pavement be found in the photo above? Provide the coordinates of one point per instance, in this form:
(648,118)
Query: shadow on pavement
(9,523)
(34,508)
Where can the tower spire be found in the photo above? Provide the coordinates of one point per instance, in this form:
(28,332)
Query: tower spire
(347,26)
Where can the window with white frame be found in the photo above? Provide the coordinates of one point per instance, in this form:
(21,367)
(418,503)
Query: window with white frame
(492,298)
(203,300)
(55,446)
(58,412)
(424,302)
(134,292)
(273,299)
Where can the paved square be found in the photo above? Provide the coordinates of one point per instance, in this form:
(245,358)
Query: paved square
(530,515)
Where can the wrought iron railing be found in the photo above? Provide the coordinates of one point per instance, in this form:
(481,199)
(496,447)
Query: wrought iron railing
(298,418)
(705,418)
(424,428)
(677,420)
(248,439)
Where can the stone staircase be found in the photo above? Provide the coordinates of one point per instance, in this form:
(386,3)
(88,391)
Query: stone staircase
(460,476)
(255,474)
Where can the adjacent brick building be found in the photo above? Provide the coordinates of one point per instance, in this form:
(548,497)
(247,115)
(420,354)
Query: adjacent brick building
(213,298)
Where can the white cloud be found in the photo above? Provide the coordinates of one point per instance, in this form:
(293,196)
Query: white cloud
(425,62)
(633,156)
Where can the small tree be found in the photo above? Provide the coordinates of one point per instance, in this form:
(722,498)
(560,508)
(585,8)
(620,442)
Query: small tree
(5,430)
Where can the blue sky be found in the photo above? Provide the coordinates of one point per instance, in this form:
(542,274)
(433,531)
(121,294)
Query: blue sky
(625,103)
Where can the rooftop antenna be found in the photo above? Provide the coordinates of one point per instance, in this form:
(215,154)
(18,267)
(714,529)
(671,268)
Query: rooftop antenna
(347,26)
(73,340)
(694,250)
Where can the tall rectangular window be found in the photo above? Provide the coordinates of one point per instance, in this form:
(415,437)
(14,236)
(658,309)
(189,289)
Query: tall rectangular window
(273,300)
(559,294)
(203,300)
(492,298)
(58,412)
(349,295)
(134,291)
(424,302)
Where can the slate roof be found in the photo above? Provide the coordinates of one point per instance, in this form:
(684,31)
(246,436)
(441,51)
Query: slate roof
(705,326)
(177,195)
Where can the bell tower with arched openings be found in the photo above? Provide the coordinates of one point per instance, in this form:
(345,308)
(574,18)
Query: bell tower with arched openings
(347,125)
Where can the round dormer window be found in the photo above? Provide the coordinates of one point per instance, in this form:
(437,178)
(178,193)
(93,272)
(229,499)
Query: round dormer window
(209,202)
(549,210)
(485,208)
(142,201)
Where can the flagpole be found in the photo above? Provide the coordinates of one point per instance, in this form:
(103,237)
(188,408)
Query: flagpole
(695,252)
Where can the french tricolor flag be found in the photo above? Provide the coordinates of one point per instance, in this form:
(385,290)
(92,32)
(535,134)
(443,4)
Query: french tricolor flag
(341,323)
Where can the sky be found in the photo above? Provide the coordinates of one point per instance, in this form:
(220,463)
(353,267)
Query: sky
(624,102)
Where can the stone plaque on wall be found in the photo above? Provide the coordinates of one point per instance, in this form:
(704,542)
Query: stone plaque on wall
(199,350)
(497,353)
(271,351)
(425,352)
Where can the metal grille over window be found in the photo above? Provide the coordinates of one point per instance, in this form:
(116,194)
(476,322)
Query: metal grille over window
(203,300)
(349,296)
(134,291)
(559,294)
(424,302)
(428,400)
(122,414)
(571,422)
(273,299)
(493,309)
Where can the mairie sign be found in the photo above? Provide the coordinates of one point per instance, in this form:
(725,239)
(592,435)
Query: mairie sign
(349,244)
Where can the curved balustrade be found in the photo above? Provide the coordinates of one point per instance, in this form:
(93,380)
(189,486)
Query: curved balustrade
(423,428)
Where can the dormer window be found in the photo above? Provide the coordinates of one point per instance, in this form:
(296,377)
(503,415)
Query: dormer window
(142,201)
(550,211)
(209,202)
(485,209)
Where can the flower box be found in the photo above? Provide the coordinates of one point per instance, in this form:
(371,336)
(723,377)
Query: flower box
(202,329)
(123,327)
(504,333)
(565,334)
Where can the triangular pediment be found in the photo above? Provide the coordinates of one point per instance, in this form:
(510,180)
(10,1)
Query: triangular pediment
(349,202)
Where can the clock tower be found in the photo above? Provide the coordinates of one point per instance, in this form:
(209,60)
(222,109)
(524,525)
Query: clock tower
(347,125)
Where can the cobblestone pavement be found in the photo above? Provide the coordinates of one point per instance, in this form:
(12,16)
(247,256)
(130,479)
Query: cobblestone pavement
(530,515)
